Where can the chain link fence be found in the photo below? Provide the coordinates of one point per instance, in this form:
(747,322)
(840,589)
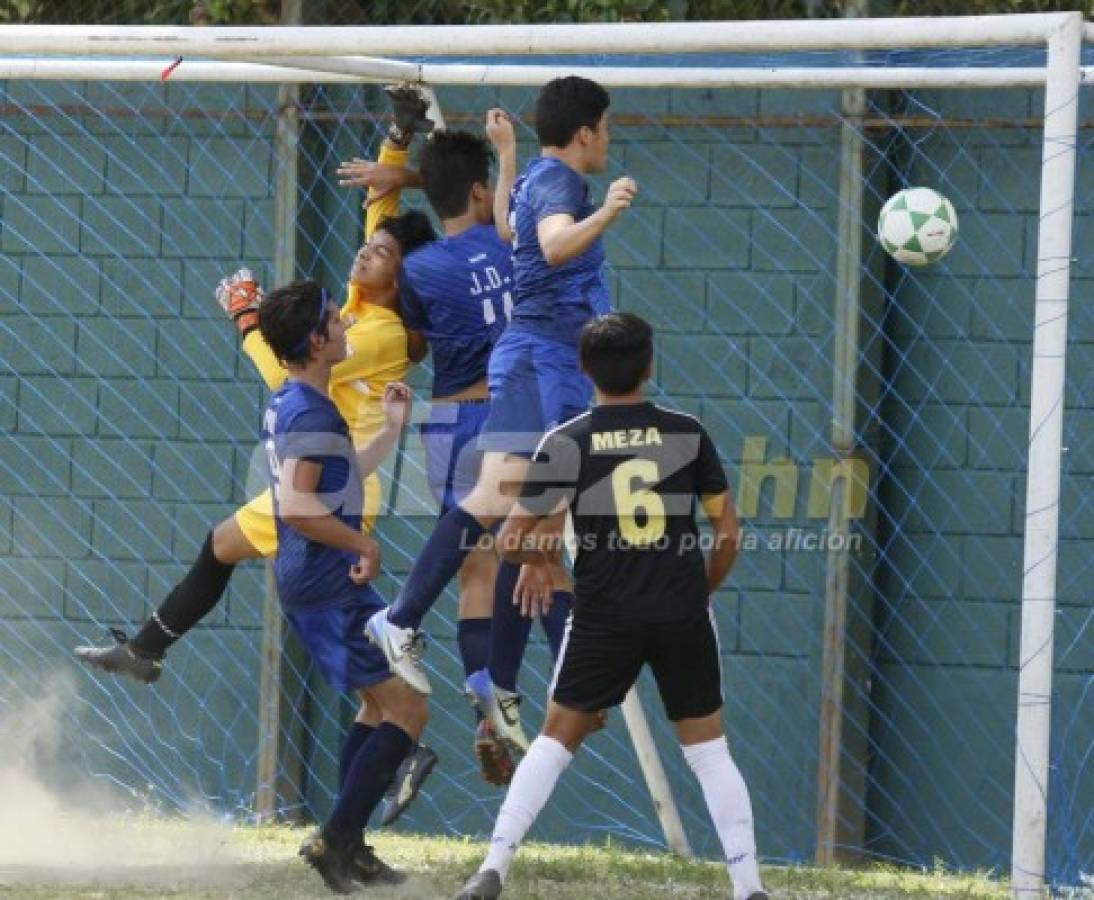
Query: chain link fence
(440,12)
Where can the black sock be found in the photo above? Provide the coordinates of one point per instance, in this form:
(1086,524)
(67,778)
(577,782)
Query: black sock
(359,732)
(509,630)
(368,777)
(437,563)
(473,638)
(187,604)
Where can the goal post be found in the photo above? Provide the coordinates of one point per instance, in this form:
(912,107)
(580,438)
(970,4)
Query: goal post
(853,398)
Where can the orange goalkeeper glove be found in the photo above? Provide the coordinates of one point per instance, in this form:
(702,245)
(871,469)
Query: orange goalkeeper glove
(239,295)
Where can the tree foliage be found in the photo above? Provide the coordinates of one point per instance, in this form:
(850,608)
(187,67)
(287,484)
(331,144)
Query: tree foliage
(354,12)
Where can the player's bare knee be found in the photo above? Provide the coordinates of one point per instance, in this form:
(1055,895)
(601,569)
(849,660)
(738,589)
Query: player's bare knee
(230,546)
(403,706)
(699,730)
(413,713)
(569,726)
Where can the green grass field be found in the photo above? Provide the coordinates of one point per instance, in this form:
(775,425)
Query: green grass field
(179,860)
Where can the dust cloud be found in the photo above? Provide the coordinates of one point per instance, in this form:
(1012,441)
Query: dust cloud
(59,826)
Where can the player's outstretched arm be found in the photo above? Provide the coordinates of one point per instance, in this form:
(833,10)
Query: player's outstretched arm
(239,295)
(561,237)
(388,175)
(499,128)
(302,510)
(723,518)
(397,404)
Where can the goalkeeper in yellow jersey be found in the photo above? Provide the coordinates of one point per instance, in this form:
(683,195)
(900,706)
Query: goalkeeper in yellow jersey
(381,351)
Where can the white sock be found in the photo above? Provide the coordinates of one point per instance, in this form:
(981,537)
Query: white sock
(529,791)
(727,801)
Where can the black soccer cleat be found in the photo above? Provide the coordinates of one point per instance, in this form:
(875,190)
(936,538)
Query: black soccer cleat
(368,868)
(334,864)
(121,659)
(758,895)
(408,780)
(484,885)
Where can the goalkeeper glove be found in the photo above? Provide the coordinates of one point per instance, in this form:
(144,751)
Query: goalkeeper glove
(409,108)
(239,295)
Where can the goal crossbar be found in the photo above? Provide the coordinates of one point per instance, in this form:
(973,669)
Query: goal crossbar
(347,70)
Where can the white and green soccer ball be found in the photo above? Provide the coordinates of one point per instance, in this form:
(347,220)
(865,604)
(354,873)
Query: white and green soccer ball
(917,226)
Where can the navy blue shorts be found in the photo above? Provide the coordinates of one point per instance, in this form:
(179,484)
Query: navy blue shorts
(452,455)
(334,637)
(535,385)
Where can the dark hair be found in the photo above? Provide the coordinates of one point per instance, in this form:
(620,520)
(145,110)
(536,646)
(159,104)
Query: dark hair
(289,316)
(451,162)
(565,105)
(411,230)
(616,351)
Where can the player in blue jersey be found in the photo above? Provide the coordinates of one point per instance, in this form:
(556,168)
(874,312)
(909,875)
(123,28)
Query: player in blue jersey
(457,291)
(324,561)
(534,378)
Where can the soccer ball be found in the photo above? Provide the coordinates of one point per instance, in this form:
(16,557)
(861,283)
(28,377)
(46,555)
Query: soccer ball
(917,226)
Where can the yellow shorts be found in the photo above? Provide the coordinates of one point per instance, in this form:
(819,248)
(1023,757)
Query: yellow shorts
(256,519)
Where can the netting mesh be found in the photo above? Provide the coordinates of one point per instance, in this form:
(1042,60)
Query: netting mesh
(128,418)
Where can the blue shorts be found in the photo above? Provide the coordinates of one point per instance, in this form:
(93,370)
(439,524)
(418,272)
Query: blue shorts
(452,456)
(535,384)
(334,637)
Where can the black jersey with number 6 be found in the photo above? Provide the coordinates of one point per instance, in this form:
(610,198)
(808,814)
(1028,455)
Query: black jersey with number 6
(631,475)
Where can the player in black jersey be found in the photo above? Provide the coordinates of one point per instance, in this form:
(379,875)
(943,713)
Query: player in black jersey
(631,474)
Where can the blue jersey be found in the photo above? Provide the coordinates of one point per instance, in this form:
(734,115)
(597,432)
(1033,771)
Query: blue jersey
(554,301)
(458,292)
(301,423)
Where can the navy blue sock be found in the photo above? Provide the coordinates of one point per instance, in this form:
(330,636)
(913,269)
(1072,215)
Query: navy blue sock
(554,622)
(473,637)
(358,734)
(440,559)
(509,630)
(368,777)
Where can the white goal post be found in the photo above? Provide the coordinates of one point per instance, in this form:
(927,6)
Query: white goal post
(285,55)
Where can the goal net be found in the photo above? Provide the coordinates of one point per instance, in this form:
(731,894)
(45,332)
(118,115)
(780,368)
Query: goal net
(875,419)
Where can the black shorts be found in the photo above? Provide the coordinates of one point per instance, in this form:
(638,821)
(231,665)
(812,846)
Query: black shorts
(601,660)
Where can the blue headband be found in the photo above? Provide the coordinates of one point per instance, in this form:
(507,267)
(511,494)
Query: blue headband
(324,299)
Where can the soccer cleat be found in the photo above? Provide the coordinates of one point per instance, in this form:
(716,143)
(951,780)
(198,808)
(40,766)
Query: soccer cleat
(495,761)
(403,648)
(501,709)
(484,885)
(408,780)
(368,868)
(121,659)
(758,895)
(335,865)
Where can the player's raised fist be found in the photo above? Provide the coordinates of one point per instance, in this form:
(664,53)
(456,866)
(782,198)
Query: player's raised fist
(621,193)
(499,128)
(367,566)
(397,402)
(239,295)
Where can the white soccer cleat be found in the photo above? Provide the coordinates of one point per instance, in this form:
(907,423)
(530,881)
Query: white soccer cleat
(501,709)
(403,648)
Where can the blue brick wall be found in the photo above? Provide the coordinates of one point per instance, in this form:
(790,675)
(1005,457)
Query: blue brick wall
(123,404)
